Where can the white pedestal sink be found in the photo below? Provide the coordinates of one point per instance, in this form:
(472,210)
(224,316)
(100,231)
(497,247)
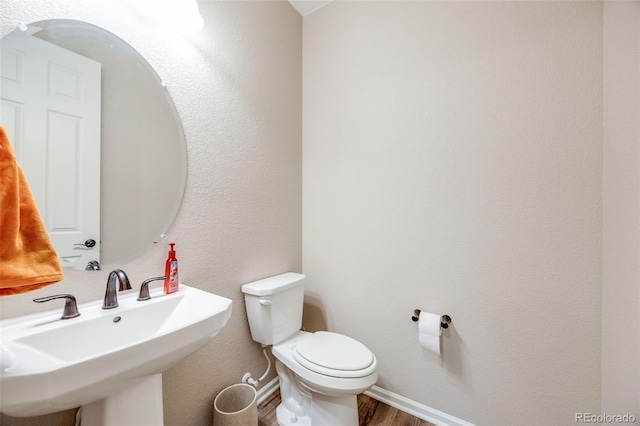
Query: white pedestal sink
(104,360)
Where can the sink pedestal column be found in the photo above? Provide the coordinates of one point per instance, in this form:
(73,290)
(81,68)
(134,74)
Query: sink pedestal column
(140,404)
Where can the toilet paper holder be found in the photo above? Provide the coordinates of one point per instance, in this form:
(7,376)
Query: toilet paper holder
(445,320)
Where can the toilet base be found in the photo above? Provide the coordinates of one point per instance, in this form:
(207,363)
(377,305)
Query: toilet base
(286,418)
(325,411)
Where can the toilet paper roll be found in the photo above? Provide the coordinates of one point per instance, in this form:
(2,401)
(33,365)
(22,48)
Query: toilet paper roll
(429,331)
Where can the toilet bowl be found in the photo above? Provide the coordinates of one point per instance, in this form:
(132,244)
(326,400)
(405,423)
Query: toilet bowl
(334,371)
(320,373)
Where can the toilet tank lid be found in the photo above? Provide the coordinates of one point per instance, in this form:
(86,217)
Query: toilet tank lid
(273,285)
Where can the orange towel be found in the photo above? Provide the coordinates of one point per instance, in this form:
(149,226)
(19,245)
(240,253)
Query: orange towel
(28,260)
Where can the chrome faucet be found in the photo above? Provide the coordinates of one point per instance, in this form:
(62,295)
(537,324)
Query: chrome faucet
(111,297)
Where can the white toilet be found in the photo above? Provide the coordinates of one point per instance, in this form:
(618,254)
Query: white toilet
(320,373)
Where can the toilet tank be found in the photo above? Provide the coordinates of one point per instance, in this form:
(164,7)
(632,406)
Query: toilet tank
(274,307)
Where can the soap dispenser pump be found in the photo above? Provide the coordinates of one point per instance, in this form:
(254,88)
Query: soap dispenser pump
(171,272)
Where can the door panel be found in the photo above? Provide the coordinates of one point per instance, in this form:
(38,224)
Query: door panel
(51,111)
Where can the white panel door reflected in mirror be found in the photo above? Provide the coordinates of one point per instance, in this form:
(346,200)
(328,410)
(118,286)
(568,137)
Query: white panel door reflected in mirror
(51,111)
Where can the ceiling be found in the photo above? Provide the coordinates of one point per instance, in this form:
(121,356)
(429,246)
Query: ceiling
(305,7)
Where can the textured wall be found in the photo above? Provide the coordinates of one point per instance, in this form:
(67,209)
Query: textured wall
(621,210)
(237,86)
(452,163)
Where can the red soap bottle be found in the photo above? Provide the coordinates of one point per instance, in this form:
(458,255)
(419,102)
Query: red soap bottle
(171,272)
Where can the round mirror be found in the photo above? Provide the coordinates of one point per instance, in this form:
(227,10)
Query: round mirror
(141,155)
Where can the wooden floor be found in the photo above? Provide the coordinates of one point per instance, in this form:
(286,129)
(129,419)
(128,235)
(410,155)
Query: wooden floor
(370,411)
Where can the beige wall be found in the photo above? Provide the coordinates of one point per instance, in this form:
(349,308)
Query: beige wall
(452,163)
(621,210)
(237,86)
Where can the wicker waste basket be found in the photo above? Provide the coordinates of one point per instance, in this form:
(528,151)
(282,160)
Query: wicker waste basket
(236,405)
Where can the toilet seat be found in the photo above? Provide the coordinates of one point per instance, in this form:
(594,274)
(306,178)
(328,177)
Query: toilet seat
(334,355)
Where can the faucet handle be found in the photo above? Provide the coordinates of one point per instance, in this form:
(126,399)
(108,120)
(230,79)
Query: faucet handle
(144,288)
(70,305)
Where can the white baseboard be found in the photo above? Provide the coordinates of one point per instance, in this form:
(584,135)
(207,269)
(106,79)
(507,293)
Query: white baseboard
(392,399)
(414,408)
(265,391)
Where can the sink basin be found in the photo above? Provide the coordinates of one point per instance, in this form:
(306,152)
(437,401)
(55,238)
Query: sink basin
(48,364)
